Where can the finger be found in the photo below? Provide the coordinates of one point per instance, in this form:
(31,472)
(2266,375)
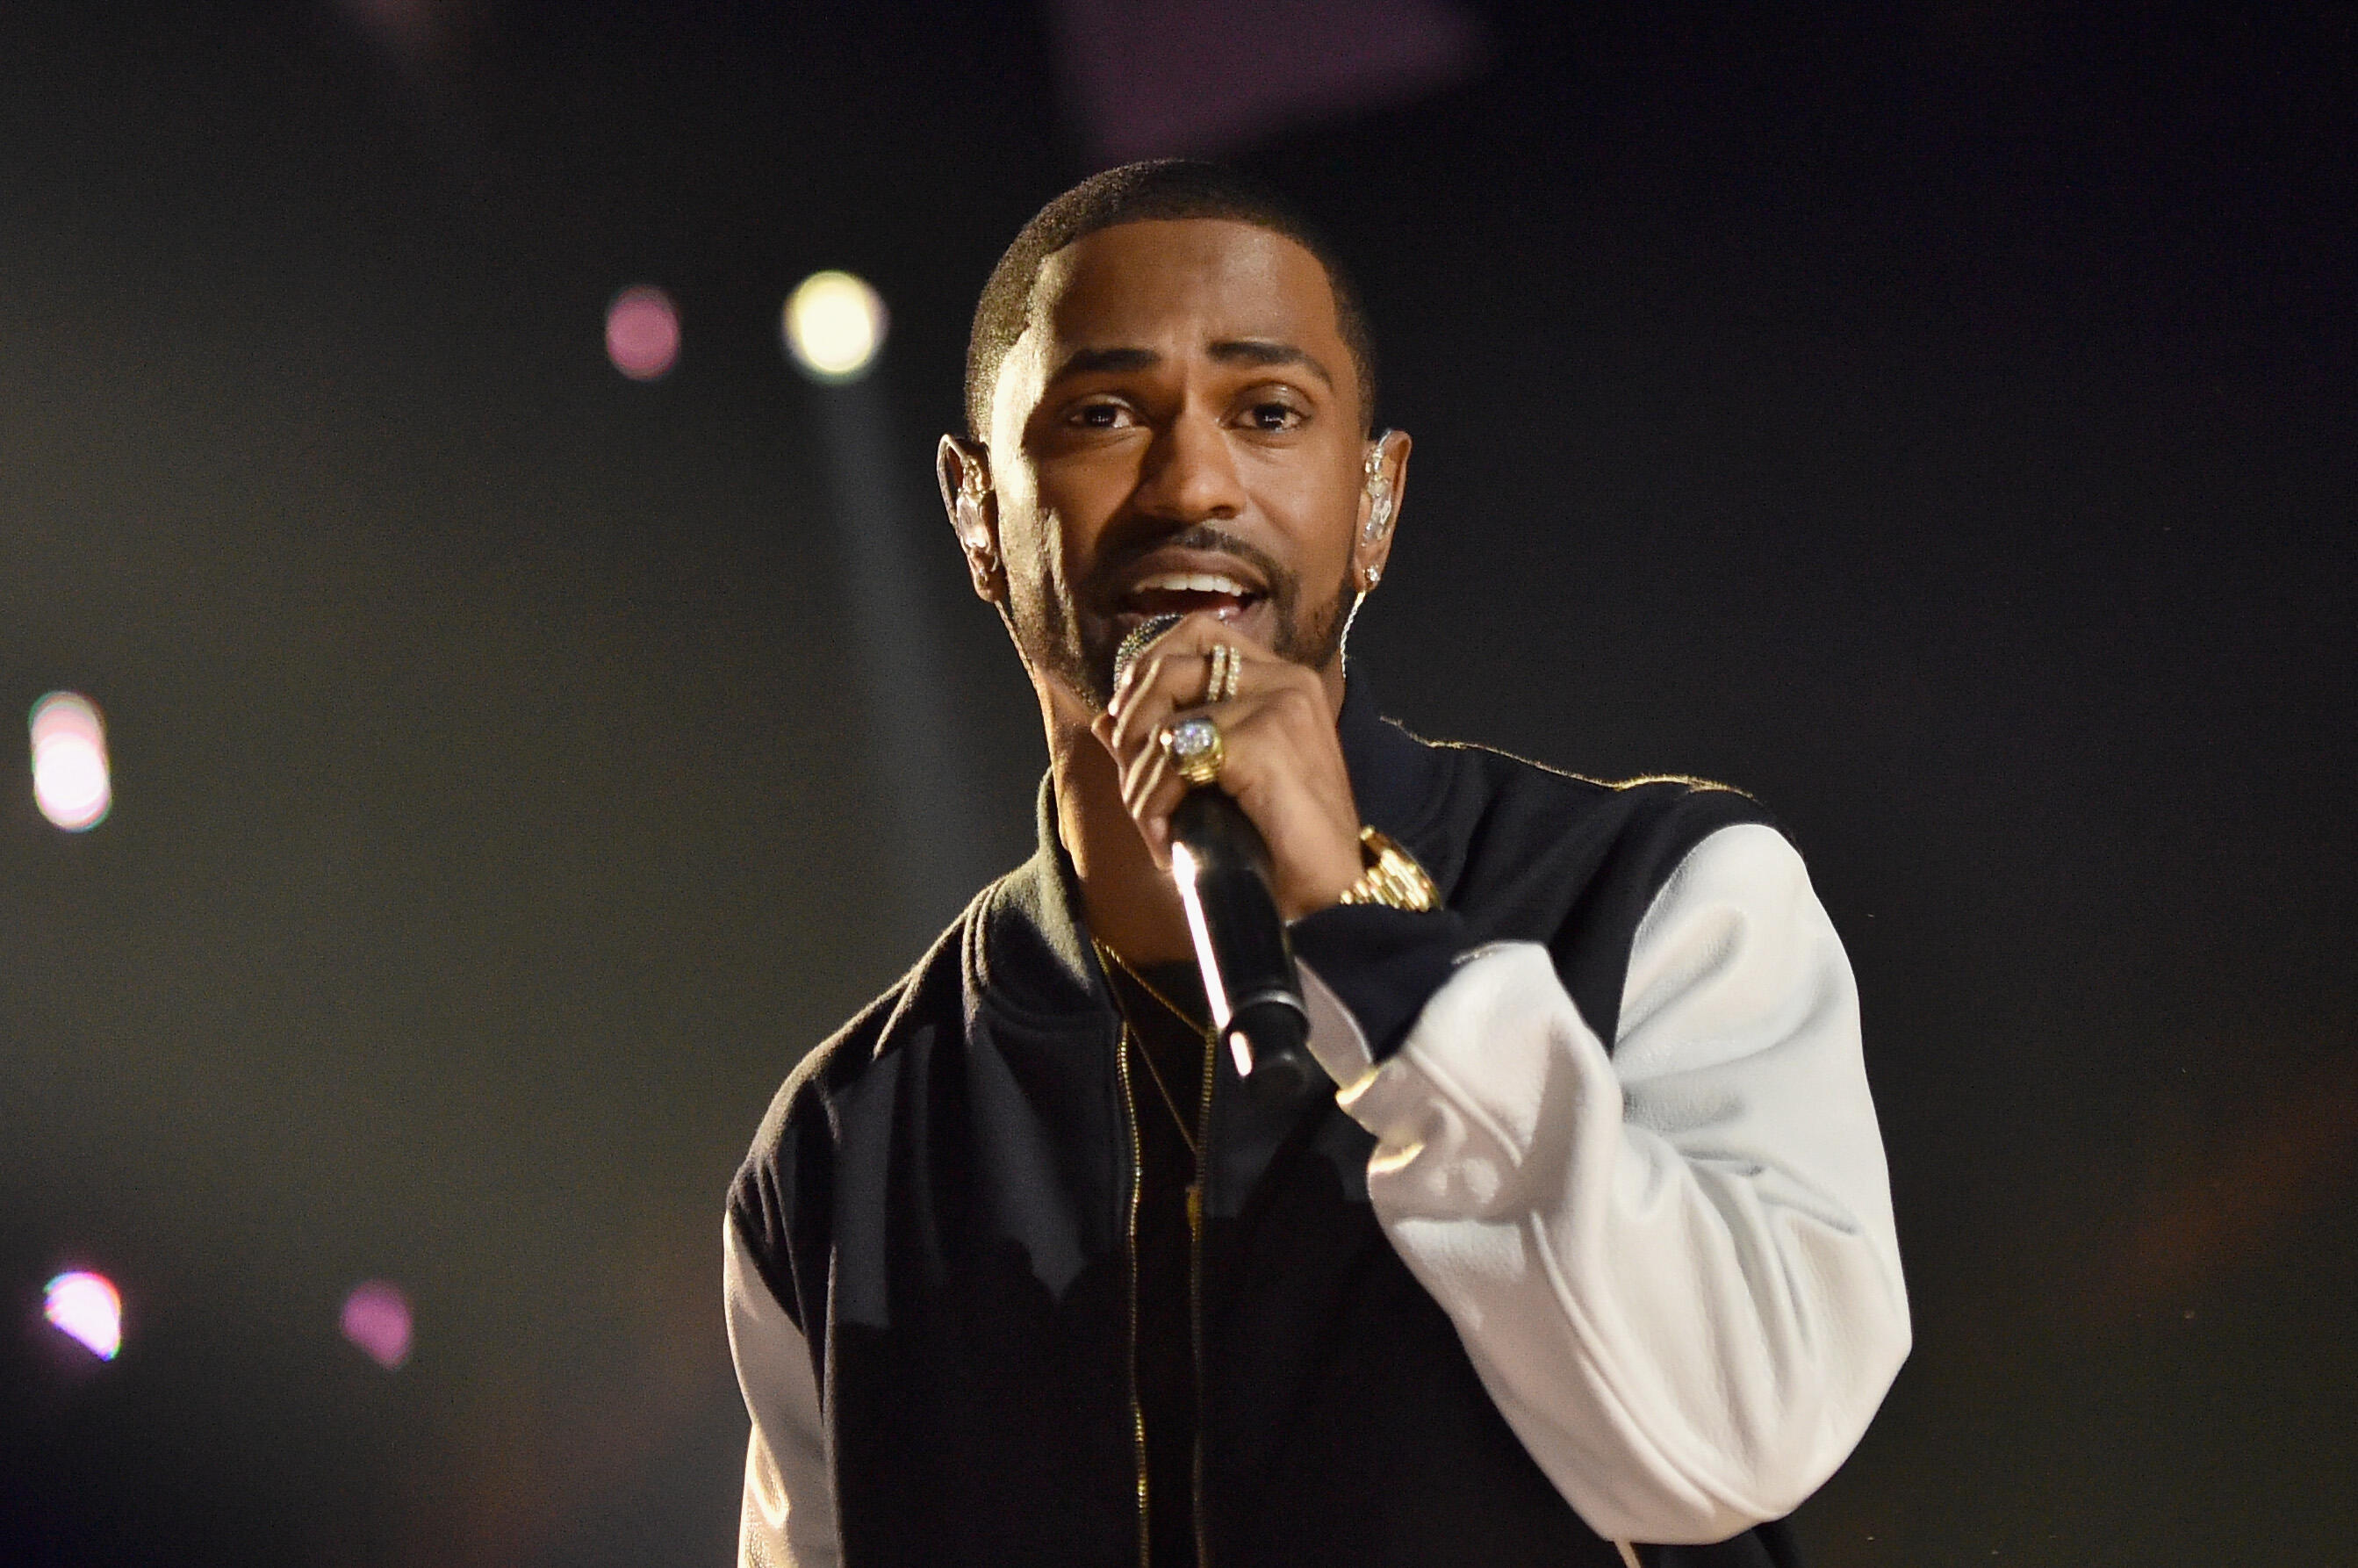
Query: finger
(1136,731)
(1194,636)
(1251,747)
(1151,789)
(1131,748)
(1172,679)
(1170,682)
(1138,768)
(1137,780)
(1153,793)
(1127,677)
(1152,785)
(1184,679)
(1141,666)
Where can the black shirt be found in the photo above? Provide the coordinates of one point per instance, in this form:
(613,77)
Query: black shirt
(1167,1045)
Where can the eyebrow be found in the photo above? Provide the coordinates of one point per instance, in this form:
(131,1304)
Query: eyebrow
(1257,352)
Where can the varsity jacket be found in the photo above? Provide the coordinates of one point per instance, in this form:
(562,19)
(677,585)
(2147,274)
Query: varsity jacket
(1584,1256)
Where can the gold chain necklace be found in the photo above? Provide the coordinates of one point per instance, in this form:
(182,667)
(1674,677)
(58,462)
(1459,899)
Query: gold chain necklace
(1129,1034)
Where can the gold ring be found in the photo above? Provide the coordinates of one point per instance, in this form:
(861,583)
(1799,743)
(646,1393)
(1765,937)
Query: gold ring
(1196,749)
(1217,677)
(1232,674)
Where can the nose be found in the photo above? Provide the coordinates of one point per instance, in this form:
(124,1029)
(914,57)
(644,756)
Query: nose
(1190,474)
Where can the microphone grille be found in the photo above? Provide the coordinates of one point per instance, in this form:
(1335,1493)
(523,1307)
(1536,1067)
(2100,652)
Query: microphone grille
(1140,637)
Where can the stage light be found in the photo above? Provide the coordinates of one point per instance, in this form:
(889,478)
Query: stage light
(70,775)
(86,1309)
(833,325)
(376,1318)
(643,333)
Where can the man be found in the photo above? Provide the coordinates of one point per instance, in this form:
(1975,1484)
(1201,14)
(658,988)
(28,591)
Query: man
(1584,1257)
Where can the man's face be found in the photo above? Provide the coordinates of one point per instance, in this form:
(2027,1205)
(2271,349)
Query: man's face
(1178,429)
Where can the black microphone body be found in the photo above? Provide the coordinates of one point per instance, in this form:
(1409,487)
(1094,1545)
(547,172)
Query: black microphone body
(1221,865)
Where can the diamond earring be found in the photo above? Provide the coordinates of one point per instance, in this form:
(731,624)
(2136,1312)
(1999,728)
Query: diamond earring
(1379,496)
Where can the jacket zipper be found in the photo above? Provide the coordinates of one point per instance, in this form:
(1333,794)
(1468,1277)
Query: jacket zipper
(1195,1279)
(1136,1182)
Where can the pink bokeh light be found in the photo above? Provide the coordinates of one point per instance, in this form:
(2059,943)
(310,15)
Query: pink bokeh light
(643,333)
(376,1318)
(1207,77)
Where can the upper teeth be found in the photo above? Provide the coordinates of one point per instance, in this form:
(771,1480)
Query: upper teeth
(1194,582)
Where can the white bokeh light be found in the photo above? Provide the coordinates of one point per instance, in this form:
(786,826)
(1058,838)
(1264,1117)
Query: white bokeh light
(70,780)
(87,1309)
(834,323)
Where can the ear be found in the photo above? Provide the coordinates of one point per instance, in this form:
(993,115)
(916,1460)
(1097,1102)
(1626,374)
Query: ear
(963,470)
(1381,499)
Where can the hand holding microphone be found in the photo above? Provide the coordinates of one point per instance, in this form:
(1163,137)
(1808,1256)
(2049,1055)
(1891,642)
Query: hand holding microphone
(1231,766)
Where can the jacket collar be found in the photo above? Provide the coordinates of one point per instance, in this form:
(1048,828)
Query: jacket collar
(1397,779)
(1029,955)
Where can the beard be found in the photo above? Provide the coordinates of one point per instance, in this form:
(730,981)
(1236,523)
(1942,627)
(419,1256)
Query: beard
(1052,635)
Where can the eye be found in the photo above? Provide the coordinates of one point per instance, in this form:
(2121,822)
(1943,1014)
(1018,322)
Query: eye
(1102,414)
(1274,417)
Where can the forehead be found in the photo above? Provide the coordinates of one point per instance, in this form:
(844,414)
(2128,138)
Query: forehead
(1173,286)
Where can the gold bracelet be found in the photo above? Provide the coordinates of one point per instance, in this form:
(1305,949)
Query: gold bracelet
(1391,876)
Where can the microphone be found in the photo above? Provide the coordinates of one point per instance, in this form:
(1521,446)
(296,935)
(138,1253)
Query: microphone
(1221,865)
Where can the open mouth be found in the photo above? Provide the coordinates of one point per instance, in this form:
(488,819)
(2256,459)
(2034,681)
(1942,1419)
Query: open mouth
(1188,594)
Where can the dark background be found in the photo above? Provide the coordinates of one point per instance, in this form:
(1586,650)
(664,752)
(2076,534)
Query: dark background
(1936,419)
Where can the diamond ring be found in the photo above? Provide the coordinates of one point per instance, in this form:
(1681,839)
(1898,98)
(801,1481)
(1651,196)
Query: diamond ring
(1196,749)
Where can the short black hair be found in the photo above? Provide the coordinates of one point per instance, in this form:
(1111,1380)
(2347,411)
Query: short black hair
(1137,193)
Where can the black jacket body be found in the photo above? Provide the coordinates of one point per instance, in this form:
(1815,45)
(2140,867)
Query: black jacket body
(939,1198)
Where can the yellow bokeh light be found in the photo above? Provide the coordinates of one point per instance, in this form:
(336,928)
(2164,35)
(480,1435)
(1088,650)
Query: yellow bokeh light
(834,323)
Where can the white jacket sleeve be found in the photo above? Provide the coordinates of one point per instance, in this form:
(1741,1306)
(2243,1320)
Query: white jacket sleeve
(1674,1266)
(788,1519)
